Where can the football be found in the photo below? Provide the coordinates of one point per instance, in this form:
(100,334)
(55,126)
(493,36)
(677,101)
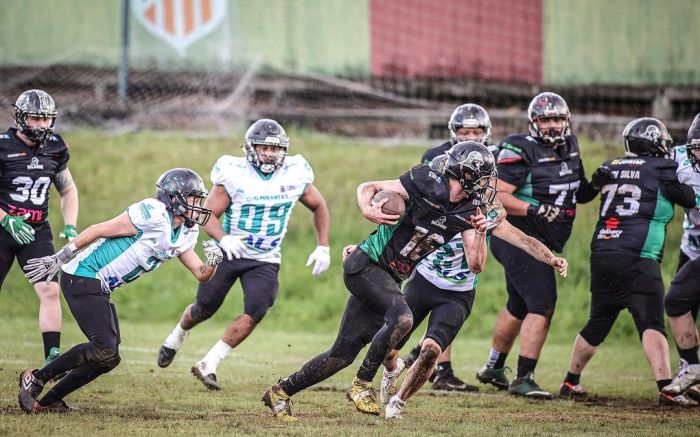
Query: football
(394,206)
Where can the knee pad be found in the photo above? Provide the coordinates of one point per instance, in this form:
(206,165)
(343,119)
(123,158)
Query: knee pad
(105,358)
(199,313)
(594,335)
(676,307)
(258,311)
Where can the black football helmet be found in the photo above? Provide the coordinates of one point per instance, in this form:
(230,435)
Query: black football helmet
(549,105)
(36,103)
(694,142)
(469,115)
(473,166)
(267,132)
(173,189)
(647,136)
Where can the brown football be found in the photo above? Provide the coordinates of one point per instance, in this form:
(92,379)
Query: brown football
(394,206)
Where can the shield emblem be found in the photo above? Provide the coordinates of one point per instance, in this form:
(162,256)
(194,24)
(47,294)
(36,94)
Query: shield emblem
(179,22)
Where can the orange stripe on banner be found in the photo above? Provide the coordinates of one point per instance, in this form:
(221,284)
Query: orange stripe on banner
(206,10)
(189,15)
(169,16)
(150,14)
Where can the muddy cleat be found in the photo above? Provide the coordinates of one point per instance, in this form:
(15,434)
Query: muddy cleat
(388,385)
(394,408)
(495,377)
(363,396)
(668,400)
(165,356)
(568,390)
(449,382)
(29,388)
(207,378)
(688,376)
(693,393)
(58,407)
(527,387)
(281,405)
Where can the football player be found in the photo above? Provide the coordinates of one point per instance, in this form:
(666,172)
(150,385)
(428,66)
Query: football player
(683,298)
(468,122)
(32,158)
(626,249)
(118,251)
(540,179)
(440,203)
(252,200)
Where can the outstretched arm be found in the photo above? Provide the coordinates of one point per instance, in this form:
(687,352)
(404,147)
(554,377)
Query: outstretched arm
(202,271)
(475,248)
(532,246)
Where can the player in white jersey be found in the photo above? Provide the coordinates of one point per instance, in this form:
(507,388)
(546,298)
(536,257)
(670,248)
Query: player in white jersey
(118,251)
(683,298)
(252,199)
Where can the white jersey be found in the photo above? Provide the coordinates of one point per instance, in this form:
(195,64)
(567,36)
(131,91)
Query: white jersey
(260,203)
(690,244)
(116,261)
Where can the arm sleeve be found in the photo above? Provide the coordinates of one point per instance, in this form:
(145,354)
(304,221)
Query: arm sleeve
(586,191)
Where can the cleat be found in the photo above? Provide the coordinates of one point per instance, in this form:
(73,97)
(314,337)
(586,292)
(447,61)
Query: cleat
(687,377)
(29,388)
(693,393)
(669,400)
(527,387)
(165,356)
(388,385)
(412,356)
(449,382)
(394,408)
(279,402)
(363,396)
(495,377)
(206,378)
(58,407)
(568,390)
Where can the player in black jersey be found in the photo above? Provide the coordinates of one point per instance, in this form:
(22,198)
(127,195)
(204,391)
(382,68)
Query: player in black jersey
(468,122)
(626,249)
(32,157)
(540,179)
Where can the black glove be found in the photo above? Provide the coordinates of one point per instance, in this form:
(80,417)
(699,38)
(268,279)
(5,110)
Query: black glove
(544,211)
(600,177)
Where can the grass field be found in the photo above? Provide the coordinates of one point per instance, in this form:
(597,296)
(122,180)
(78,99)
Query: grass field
(138,398)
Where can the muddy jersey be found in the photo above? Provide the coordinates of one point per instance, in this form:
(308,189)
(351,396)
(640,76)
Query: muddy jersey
(261,204)
(633,210)
(120,260)
(690,243)
(542,174)
(26,174)
(430,221)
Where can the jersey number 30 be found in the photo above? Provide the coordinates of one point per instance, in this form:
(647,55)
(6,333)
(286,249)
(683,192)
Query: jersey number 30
(29,189)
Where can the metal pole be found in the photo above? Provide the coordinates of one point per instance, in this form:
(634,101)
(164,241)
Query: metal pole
(124,61)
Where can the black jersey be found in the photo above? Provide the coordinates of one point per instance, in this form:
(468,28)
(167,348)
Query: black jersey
(430,221)
(635,207)
(431,153)
(26,173)
(543,174)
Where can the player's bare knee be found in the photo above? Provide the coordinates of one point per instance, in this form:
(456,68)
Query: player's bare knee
(48,293)
(430,350)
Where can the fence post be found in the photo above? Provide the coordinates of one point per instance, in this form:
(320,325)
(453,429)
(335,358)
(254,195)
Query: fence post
(123,74)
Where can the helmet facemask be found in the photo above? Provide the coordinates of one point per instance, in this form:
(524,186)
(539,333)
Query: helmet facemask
(469,115)
(548,105)
(259,159)
(475,172)
(694,160)
(551,135)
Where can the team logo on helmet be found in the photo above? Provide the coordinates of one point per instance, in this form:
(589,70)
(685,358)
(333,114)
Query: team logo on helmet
(474,160)
(652,133)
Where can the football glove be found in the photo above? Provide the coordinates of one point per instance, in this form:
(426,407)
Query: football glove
(600,177)
(232,246)
(212,253)
(321,258)
(14,225)
(48,266)
(69,233)
(544,211)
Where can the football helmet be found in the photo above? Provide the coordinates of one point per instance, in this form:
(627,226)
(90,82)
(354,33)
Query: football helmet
(175,186)
(647,136)
(694,142)
(266,132)
(549,105)
(36,103)
(469,115)
(473,166)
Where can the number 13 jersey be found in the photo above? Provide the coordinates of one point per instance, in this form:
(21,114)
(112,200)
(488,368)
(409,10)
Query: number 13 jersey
(260,203)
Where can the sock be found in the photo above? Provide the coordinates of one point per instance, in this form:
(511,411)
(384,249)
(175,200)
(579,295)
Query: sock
(51,340)
(215,356)
(572,378)
(525,365)
(176,338)
(661,383)
(690,355)
(444,366)
(497,360)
